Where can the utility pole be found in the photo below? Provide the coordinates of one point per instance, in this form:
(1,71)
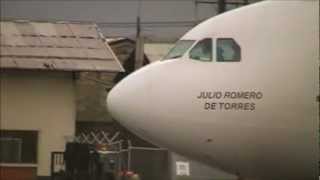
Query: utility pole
(196,18)
(139,51)
(221,6)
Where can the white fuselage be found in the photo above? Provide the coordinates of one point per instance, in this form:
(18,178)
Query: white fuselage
(257,118)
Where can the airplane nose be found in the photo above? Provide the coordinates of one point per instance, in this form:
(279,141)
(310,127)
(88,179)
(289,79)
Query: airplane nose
(127,102)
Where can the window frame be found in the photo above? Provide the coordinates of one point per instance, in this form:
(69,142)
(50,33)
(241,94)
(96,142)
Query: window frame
(29,147)
(212,50)
(216,50)
(19,151)
(165,58)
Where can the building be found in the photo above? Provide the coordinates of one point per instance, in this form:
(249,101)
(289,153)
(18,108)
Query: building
(40,62)
(92,87)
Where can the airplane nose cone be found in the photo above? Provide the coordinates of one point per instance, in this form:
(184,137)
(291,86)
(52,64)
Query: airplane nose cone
(127,102)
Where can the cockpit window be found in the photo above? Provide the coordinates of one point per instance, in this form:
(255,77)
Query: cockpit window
(179,49)
(202,51)
(228,50)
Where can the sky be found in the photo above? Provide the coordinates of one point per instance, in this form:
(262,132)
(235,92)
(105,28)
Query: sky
(161,20)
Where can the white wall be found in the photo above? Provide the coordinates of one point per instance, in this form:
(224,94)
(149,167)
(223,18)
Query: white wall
(43,101)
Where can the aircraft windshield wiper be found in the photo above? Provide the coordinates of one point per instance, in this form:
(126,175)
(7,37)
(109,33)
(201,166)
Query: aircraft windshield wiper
(174,57)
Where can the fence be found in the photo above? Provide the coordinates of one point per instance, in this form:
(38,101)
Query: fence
(149,163)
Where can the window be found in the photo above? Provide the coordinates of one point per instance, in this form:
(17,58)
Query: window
(10,149)
(228,50)
(202,51)
(18,146)
(179,49)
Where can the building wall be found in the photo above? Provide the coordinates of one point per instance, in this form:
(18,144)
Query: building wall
(17,173)
(92,94)
(43,101)
(91,89)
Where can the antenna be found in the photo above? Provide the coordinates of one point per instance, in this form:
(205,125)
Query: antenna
(221,6)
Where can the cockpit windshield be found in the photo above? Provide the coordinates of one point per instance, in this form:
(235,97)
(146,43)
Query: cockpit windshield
(179,49)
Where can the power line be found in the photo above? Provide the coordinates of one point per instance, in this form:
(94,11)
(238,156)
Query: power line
(101,0)
(149,24)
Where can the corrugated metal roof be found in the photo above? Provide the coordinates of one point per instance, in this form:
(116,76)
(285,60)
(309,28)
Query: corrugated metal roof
(55,46)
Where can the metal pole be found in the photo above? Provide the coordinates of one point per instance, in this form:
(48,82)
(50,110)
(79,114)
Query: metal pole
(52,165)
(196,18)
(129,155)
(119,156)
(139,51)
(221,6)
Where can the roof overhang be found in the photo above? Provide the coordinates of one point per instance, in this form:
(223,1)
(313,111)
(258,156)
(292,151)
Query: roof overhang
(55,46)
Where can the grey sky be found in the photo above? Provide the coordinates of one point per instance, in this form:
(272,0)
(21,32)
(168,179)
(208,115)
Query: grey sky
(162,20)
